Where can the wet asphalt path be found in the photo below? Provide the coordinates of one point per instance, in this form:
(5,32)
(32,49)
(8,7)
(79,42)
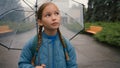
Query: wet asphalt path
(90,53)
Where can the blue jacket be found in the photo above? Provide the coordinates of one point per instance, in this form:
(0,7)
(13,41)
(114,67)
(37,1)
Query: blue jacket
(50,53)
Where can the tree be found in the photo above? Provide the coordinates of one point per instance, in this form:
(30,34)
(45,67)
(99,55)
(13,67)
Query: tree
(103,10)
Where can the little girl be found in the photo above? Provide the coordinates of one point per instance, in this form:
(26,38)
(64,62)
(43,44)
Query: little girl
(49,49)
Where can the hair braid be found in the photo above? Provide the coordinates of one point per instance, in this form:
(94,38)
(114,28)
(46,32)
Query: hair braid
(39,38)
(38,45)
(64,45)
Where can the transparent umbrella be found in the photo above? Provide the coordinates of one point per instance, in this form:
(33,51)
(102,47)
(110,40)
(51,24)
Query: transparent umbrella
(18,23)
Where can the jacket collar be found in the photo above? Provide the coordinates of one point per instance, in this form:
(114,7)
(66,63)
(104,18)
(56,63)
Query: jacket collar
(48,36)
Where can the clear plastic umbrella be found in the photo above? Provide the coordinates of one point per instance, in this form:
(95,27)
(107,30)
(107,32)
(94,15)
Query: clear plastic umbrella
(18,23)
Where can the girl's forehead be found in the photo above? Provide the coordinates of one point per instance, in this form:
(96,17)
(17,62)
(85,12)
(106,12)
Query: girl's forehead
(51,7)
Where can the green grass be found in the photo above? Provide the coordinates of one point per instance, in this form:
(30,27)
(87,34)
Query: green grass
(110,33)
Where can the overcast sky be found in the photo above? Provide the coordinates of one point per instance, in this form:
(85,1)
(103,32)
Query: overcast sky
(83,2)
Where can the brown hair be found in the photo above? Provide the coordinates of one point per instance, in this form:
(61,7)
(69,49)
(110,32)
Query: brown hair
(39,16)
(41,8)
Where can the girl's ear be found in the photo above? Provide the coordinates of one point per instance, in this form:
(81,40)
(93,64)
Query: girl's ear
(40,23)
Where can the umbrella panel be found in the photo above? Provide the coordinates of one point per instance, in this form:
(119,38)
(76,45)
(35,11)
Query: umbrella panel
(22,22)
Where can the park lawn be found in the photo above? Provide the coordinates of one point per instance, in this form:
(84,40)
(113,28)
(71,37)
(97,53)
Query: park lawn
(110,33)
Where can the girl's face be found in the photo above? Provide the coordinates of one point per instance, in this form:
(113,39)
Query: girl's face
(50,18)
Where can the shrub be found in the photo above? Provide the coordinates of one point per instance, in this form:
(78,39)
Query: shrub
(19,27)
(110,33)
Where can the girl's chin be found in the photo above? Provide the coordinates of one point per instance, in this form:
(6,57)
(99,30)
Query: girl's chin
(55,27)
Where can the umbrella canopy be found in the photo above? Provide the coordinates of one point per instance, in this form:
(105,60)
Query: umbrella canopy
(18,23)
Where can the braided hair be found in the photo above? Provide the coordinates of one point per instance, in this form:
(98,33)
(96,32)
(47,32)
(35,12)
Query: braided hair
(39,17)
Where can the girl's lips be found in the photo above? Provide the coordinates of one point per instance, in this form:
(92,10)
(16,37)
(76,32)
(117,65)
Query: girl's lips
(55,23)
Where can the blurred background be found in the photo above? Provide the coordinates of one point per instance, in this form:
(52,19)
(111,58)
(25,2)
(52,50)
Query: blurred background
(92,26)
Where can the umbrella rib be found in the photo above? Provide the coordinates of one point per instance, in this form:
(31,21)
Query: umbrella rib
(10,48)
(75,20)
(27,4)
(28,16)
(4,45)
(74,35)
(7,12)
(24,10)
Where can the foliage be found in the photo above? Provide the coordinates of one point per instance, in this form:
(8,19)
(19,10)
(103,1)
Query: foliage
(103,10)
(19,27)
(23,27)
(110,33)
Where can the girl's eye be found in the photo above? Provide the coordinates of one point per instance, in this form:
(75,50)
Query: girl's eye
(48,15)
(57,13)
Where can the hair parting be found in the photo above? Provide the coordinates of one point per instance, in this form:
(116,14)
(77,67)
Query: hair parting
(41,8)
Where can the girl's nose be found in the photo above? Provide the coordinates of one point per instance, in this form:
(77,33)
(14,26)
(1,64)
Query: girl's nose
(54,17)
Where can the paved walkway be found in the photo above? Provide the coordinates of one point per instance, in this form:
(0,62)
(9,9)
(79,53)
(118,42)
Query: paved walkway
(90,54)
